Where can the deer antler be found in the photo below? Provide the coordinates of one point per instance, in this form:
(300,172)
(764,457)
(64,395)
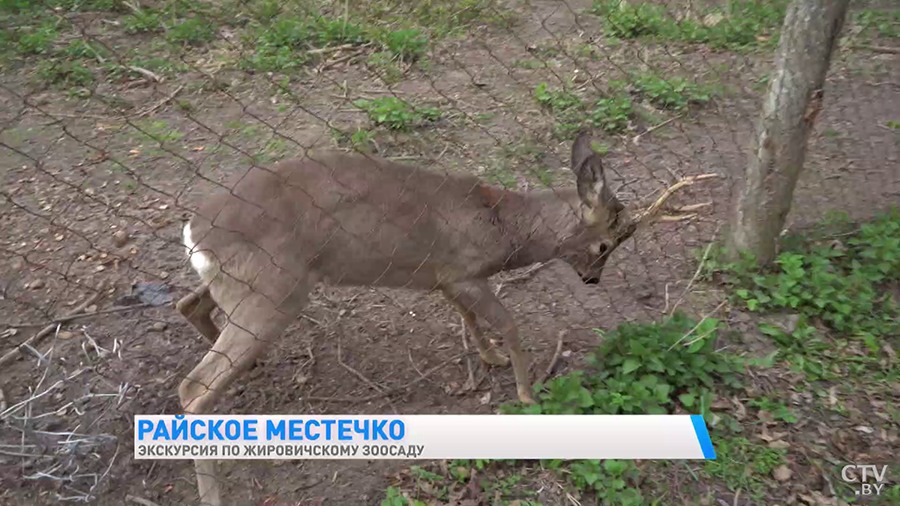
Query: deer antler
(653,209)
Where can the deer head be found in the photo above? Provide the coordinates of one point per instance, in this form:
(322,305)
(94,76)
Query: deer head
(605,222)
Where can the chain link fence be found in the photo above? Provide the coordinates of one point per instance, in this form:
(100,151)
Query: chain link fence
(119,119)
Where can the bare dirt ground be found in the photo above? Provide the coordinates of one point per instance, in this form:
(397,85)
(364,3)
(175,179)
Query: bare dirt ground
(74,173)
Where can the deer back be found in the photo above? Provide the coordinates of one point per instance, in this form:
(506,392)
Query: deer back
(354,219)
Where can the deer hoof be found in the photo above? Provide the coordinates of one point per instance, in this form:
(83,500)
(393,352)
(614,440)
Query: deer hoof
(494,357)
(525,396)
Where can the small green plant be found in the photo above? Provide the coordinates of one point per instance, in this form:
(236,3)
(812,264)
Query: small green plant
(362,138)
(141,21)
(393,497)
(776,407)
(159,131)
(81,49)
(839,285)
(557,101)
(884,23)
(65,73)
(409,45)
(740,23)
(629,21)
(37,40)
(611,114)
(192,31)
(385,66)
(282,45)
(675,93)
(528,64)
(159,65)
(893,124)
(397,114)
(611,480)
(644,368)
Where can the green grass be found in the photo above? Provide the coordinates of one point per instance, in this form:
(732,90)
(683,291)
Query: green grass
(841,283)
(882,23)
(674,93)
(838,283)
(439,18)
(81,49)
(31,6)
(572,113)
(146,20)
(408,44)
(283,44)
(397,114)
(191,32)
(744,465)
(614,114)
(741,23)
(159,131)
(64,73)
(36,40)
(385,64)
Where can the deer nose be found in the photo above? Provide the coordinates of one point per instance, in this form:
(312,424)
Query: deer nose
(591,281)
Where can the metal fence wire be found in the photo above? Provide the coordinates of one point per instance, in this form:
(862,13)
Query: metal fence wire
(119,119)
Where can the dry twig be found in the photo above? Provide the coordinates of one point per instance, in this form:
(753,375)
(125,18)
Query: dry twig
(391,391)
(12,355)
(556,354)
(140,500)
(354,371)
(697,272)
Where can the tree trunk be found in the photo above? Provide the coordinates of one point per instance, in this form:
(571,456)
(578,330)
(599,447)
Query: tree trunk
(794,98)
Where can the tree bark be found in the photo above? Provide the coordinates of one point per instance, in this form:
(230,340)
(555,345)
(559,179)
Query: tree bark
(763,196)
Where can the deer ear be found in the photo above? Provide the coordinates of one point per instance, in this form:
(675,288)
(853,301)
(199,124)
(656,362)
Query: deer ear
(581,150)
(588,171)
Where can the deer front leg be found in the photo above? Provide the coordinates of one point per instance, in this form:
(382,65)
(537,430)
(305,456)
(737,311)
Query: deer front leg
(473,299)
(196,307)
(489,353)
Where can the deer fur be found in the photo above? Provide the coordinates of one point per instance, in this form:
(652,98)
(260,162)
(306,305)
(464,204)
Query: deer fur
(356,220)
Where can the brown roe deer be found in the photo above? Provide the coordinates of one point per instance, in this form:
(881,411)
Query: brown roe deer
(356,220)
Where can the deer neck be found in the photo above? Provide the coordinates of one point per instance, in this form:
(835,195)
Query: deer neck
(537,223)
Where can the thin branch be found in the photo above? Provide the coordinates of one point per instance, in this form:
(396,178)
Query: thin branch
(12,355)
(556,354)
(697,326)
(80,316)
(878,49)
(140,500)
(391,391)
(637,137)
(697,272)
(354,371)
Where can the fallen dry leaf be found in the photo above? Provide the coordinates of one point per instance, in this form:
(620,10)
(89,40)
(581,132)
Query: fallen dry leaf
(740,411)
(782,473)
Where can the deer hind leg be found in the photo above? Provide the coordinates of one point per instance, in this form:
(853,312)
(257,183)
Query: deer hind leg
(197,307)
(474,299)
(254,320)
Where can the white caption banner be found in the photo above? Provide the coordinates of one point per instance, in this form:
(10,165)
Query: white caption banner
(422,437)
